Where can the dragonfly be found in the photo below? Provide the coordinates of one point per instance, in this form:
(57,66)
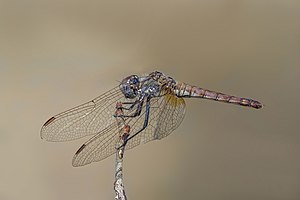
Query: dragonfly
(152,105)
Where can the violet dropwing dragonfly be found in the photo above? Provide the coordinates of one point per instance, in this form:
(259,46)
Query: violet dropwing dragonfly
(153,106)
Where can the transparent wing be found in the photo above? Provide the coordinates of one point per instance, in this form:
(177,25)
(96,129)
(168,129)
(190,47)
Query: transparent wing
(98,147)
(101,145)
(166,114)
(83,120)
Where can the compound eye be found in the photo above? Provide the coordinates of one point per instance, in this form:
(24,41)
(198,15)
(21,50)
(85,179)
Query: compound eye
(134,80)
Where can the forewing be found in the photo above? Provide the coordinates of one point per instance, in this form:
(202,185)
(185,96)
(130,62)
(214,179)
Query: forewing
(166,114)
(83,120)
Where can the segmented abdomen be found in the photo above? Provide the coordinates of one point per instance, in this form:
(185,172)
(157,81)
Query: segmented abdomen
(185,90)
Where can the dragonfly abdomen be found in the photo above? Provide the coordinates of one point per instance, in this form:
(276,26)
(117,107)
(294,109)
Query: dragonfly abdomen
(186,90)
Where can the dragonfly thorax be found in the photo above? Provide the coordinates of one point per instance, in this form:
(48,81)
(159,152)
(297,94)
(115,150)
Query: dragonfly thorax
(162,79)
(130,86)
(149,88)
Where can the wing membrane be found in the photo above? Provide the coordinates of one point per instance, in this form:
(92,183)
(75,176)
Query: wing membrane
(98,147)
(83,120)
(166,114)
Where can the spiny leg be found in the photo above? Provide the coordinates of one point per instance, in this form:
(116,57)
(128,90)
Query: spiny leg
(145,122)
(137,112)
(132,104)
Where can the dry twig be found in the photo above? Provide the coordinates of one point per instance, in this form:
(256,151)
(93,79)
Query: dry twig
(120,148)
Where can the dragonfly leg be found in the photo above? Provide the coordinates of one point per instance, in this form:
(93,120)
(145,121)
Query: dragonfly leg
(145,123)
(137,111)
(119,106)
(129,103)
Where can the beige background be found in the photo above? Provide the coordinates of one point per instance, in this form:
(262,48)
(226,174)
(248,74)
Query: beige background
(57,54)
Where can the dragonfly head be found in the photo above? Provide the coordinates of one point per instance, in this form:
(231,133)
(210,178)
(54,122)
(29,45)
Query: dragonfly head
(130,86)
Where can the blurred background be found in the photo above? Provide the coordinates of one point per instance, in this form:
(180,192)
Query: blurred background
(58,54)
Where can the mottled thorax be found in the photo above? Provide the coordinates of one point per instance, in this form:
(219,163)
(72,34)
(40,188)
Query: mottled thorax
(162,79)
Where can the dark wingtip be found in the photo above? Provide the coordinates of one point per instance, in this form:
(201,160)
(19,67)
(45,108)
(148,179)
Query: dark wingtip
(74,161)
(80,149)
(49,121)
